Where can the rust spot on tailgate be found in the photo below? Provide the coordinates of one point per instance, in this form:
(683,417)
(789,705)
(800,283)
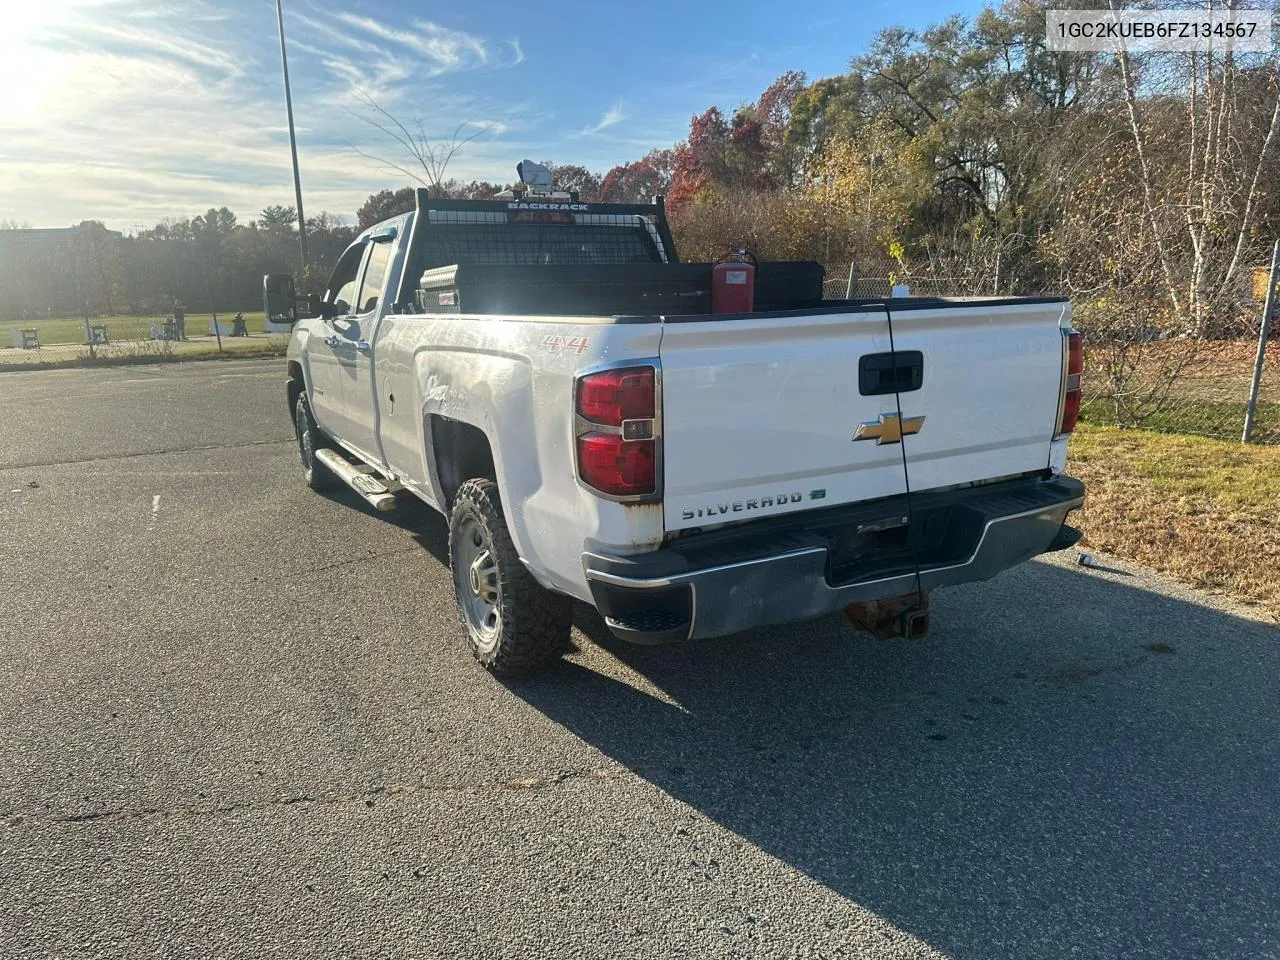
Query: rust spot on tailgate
(644,524)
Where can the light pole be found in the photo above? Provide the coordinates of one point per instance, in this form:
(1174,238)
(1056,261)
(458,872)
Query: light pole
(293,142)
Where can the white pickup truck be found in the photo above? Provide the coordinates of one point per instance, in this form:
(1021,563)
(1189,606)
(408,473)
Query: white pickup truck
(547,374)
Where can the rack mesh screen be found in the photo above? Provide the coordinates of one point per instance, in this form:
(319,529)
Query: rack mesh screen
(503,242)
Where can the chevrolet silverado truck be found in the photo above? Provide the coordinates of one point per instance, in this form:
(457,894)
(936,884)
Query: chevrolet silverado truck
(548,375)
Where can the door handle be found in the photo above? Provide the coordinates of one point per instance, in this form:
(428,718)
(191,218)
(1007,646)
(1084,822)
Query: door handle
(362,345)
(900,371)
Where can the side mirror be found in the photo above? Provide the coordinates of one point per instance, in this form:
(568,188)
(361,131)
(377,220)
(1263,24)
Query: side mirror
(279,299)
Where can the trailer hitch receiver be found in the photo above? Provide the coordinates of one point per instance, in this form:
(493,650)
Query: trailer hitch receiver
(906,616)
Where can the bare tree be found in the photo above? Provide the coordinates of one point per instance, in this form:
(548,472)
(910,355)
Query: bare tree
(1202,229)
(427,159)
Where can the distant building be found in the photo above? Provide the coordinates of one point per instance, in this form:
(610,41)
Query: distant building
(41,237)
(44,234)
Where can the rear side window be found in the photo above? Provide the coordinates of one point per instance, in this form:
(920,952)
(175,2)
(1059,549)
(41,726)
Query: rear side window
(536,243)
(375,273)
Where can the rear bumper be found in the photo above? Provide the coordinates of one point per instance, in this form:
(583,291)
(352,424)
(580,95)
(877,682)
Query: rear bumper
(806,565)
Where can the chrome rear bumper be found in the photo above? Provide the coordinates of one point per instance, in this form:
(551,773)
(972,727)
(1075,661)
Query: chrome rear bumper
(669,595)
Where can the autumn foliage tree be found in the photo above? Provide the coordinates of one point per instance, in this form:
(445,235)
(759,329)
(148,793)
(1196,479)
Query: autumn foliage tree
(575,178)
(702,159)
(638,182)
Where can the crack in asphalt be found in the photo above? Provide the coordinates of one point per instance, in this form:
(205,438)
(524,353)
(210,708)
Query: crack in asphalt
(325,799)
(144,453)
(364,558)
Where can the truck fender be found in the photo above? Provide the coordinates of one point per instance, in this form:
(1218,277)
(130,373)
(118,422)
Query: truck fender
(481,391)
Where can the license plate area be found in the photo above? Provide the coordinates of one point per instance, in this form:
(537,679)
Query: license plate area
(895,543)
(860,549)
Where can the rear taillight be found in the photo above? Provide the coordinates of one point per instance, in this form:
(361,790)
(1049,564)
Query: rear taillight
(616,437)
(621,468)
(612,397)
(1073,367)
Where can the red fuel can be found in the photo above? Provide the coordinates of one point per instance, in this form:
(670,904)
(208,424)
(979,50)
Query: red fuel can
(733,284)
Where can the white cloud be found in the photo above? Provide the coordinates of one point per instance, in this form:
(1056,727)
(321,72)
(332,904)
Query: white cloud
(612,116)
(447,50)
(152,45)
(132,111)
(378,80)
(330,32)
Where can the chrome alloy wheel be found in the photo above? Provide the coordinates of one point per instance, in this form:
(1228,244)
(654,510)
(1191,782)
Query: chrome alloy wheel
(476,581)
(306,442)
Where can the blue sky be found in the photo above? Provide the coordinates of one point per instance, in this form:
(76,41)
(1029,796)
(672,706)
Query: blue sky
(131,111)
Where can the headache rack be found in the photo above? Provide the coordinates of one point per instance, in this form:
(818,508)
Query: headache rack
(531,230)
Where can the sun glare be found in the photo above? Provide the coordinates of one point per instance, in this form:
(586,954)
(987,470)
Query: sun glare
(31,61)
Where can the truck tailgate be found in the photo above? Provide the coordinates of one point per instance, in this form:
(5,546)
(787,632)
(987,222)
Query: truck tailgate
(989,395)
(759,412)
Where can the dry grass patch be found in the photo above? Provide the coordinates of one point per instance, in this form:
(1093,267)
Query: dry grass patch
(1205,512)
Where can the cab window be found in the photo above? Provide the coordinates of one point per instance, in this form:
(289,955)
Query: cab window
(343,282)
(374,275)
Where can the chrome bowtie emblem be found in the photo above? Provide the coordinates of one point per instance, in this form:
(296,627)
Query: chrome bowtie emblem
(889,428)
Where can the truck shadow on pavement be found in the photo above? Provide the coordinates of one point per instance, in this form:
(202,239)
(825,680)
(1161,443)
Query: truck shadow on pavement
(427,527)
(1068,766)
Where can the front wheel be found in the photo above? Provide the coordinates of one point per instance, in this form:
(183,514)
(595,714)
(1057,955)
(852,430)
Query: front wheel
(310,440)
(513,623)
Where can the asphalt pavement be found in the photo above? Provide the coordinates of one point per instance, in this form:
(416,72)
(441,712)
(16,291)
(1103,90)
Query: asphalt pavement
(238,720)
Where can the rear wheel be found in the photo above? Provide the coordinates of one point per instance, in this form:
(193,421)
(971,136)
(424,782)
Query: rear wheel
(513,623)
(310,440)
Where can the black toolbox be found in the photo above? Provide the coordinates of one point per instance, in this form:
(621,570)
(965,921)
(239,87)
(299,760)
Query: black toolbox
(788,285)
(589,290)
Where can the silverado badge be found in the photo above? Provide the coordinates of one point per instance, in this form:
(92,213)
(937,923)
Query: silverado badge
(889,428)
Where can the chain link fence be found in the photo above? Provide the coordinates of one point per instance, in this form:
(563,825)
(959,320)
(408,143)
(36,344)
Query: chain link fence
(1181,385)
(878,280)
(1145,381)
(55,341)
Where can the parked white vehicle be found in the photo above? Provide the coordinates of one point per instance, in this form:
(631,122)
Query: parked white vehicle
(689,474)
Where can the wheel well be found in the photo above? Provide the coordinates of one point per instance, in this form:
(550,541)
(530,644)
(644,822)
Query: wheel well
(296,385)
(461,452)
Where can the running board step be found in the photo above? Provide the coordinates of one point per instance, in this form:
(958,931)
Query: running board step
(377,492)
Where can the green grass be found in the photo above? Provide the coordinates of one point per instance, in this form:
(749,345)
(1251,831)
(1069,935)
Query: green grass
(143,351)
(62,330)
(1237,477)
(1200,510)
